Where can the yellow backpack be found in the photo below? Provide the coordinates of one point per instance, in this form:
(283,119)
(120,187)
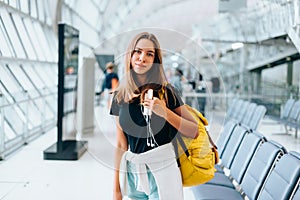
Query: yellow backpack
(196,157)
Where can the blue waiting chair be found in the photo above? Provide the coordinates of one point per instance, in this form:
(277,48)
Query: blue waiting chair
(297,193)
(247,149)
(257,117)
(231,147)
(287,108)
(259,169)
(233,109)
(293,119)
(239,115)
(284,115)
(224,136)
(249,113)
(283,179)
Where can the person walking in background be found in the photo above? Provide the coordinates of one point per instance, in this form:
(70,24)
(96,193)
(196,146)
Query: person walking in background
(176,80)
(110,82)
(201,88)
(149,113)
(215,89)
(182,85)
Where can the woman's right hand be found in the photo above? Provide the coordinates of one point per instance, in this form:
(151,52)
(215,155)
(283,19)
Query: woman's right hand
(159,107)
(117,196)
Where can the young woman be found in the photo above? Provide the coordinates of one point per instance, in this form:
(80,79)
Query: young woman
(145,161)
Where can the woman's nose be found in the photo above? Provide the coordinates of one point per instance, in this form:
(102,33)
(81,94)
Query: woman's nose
(142,57)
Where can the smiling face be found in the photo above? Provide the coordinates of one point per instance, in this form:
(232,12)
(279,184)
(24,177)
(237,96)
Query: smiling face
(143,56)
(143,66)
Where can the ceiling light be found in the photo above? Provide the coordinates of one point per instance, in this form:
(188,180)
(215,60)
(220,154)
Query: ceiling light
(174,57)
(237,45)
(175,65)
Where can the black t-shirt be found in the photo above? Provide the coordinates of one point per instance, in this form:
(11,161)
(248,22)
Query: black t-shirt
(134,124)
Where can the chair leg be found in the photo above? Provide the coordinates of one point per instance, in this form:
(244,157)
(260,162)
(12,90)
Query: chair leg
(286,132)
(286,129)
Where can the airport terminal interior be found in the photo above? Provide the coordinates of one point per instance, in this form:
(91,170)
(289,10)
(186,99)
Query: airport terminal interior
(237,62)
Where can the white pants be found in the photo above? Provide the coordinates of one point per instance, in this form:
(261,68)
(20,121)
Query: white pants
(162,163)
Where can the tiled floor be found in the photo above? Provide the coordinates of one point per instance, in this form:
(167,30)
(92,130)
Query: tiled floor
(26,176)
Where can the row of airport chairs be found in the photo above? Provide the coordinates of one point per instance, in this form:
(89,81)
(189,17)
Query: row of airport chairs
(251,167)
(246,113)
(290,115)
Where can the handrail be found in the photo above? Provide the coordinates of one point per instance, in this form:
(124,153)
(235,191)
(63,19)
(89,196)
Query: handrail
(231,95)
(27,134)
(25,100)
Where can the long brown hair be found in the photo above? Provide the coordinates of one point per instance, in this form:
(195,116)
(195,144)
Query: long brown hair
(129,88)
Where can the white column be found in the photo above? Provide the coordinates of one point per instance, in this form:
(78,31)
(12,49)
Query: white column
(86,95)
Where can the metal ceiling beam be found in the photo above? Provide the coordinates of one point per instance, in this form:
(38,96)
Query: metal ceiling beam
(267,20)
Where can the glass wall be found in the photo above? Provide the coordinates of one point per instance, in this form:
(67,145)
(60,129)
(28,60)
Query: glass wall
(28,61)
(28,68)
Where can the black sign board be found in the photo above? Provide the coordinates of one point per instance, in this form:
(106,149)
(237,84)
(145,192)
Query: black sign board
(68,51)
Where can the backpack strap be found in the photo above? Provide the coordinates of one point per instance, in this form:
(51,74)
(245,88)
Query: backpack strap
(183,146)
(174,142)
(210,140)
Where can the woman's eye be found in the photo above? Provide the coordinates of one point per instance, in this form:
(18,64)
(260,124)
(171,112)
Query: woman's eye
(137,51)
(150,54)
